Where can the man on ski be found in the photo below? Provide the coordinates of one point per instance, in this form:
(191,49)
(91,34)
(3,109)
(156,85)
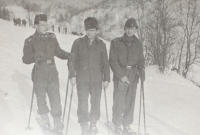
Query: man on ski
(89,69)
(126,61)
(40,49)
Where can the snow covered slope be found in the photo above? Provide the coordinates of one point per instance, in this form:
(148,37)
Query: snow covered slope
(172,103)
(18,12)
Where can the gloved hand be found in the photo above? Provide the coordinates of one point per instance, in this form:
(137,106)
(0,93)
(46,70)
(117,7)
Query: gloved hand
(125,79)
(68,55)
(70,66)
(71,56)
(38,56)
(142,75)
(73,81)
(105,85)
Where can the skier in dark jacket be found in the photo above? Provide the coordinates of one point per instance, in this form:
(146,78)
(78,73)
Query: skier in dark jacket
(126,61)
(89,68)
(24,22)
(40,49)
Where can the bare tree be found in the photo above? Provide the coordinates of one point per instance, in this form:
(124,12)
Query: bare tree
(161,33)
(190,24)
(142,13)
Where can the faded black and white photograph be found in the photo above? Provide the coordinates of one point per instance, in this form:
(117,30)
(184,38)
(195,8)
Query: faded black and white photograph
(100,67)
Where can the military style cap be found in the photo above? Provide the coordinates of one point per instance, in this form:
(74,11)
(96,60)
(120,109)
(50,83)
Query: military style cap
(40,17)
(90,23)
(130,23)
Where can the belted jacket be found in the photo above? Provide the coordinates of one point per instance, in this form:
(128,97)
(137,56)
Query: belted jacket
(89,62)
(42,47)
(126,60)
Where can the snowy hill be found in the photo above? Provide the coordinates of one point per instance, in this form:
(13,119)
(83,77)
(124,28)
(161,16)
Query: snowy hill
(172,103)
(17,12)
(111,16)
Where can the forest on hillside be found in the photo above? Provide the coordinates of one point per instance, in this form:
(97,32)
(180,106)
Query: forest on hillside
(168,29)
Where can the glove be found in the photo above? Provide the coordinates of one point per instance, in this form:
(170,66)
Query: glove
(125,79)
(68,55)
(71,56)
(105,85)
(70,65)
(122,86)
(73,81)
(142,75)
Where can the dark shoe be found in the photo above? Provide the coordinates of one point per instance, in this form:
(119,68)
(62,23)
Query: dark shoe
(93,128)
(127,130)
(84,128)
(45,124)
(118,130)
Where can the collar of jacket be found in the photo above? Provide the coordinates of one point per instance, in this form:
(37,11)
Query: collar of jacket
(124,40)
(96,39)
(39,35)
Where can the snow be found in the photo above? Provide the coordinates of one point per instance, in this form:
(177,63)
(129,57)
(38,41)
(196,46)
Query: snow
(18,12)
(194,74)
(172,102)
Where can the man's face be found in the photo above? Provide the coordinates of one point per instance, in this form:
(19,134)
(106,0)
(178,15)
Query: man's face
(42,27)
(91,33)
(130,31)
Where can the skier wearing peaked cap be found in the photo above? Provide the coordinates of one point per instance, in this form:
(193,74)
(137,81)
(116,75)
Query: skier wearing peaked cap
(89,68)
(40,49)
(126,61)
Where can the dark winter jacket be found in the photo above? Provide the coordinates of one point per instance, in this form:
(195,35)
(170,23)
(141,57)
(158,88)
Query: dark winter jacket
(42,48)
(89,62)
(124,57)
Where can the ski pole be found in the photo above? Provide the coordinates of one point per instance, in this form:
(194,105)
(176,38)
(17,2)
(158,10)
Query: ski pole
(29,120)
(142,85)
(69,109)
(139,110)
(106,110)
(63,118)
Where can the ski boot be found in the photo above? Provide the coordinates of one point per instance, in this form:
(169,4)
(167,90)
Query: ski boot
(45,124)
(128,131)
(84,128)
(58,126)
(118,130)
(93,129)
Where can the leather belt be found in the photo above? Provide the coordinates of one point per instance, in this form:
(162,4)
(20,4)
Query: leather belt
(46,61)
(130,67)
(50,61)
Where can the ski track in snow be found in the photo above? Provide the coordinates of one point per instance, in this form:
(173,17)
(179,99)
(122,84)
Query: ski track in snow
(172,103)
